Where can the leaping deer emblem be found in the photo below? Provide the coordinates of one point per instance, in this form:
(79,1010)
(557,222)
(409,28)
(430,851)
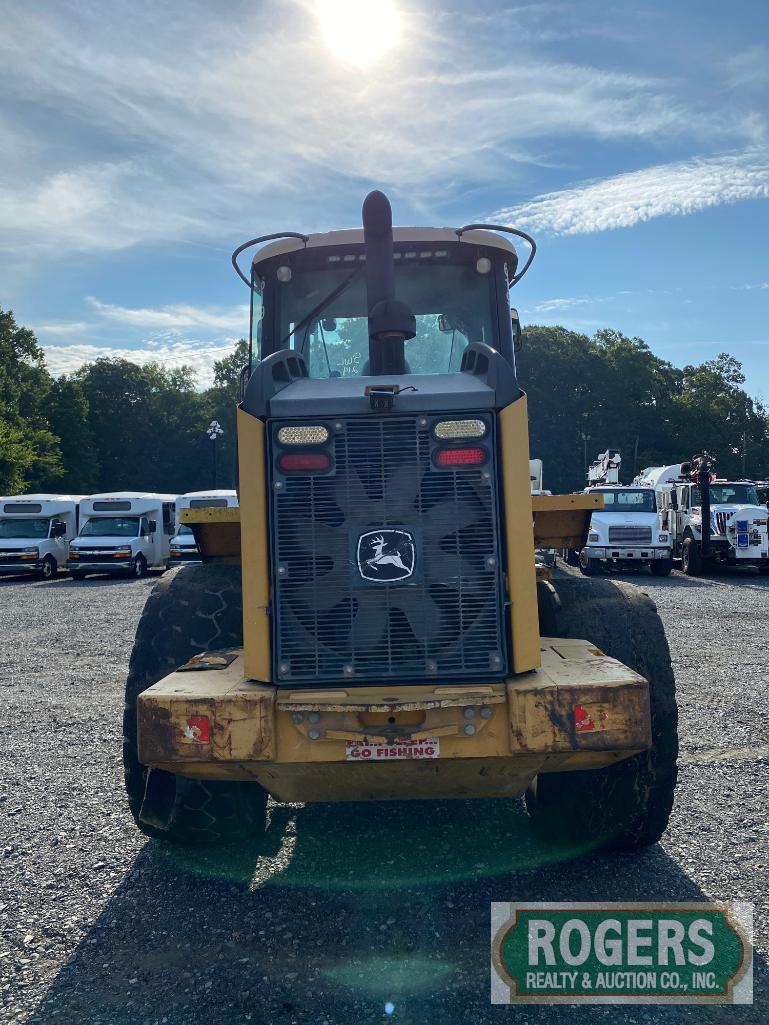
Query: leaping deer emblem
(380,559)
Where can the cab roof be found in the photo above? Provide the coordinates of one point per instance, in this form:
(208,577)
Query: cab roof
(417,236)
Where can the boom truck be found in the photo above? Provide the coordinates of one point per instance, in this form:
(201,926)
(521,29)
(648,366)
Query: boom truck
(688,495)
(627,531)
(369,625)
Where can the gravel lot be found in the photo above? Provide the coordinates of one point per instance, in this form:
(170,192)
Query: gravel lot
(344,909)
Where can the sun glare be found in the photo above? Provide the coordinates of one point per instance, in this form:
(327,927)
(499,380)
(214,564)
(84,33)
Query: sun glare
(359,32)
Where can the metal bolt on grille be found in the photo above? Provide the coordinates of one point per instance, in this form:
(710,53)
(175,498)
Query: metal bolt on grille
(390,565)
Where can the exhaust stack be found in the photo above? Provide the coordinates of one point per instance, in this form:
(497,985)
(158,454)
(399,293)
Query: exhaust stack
(390,322)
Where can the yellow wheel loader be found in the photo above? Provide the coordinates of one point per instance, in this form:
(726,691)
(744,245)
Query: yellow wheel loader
(369,624)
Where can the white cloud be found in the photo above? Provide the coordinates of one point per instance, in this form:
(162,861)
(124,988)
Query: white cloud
(75,327)
(65,359)
(626,199)
(174,317)
(549,305)
(212,127)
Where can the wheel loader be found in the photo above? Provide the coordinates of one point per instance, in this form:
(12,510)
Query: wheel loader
(369,624)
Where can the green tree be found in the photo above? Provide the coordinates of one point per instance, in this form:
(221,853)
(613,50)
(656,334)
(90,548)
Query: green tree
(29,451)
(69,420)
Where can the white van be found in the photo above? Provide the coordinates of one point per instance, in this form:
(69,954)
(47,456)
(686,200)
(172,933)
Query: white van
(35,531)
(183,549)
(122,533)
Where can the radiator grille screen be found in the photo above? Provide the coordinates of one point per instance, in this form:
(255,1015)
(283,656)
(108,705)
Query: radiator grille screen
(387,567)
(630,535)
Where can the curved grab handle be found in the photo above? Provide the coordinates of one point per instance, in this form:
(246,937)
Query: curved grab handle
(510,231)
(256,242)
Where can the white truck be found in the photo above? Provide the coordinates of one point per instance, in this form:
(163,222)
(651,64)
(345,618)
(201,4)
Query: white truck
(34,533)
(738,532)
(182,546)
(122,533)
(627,531)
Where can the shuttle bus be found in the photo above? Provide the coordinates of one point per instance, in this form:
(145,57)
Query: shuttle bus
(122,533)
(34,533)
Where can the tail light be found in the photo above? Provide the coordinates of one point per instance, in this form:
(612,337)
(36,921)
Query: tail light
(459,457)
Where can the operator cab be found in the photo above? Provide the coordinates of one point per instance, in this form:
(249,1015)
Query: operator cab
(384,302)
(314,299)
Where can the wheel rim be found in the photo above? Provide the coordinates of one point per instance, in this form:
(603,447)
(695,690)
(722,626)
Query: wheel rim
(138,567)
(47,570)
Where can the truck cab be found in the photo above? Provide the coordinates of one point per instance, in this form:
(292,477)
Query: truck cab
(183,548)
(34,533)
(122,533)
(626,532)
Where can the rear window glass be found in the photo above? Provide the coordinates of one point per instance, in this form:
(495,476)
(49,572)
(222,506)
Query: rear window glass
(208,503)
(22,507)
(112,506)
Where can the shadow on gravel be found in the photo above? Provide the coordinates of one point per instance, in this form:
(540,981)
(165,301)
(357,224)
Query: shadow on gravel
(342,911)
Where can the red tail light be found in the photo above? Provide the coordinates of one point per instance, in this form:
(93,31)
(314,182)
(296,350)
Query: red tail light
(304,462)
(473,456)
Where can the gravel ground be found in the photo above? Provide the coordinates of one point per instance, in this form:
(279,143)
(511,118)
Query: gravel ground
(344,909)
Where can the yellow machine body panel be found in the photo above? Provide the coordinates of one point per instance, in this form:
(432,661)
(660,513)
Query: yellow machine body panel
(580,709)
(562,521)
(521,571)
(255,556)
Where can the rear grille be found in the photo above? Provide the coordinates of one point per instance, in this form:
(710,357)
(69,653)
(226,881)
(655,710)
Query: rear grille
(437,530)
(630,535)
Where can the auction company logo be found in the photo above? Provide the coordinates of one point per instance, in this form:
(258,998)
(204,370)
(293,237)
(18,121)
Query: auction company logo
(571,953)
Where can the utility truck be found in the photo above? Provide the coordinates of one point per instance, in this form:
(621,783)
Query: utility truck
(689,494)
(122,533)
(34,533)
(368,625)
(626,532)
(182,546)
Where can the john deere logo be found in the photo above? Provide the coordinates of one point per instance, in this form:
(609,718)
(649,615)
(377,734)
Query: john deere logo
(386,556)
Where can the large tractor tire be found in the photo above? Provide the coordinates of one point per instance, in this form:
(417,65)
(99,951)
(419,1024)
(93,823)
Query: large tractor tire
(193,609)
(624,806)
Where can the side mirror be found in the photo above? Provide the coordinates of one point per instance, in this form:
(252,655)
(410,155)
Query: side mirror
(58,529)
(444,324)
(674,499)
(516,323)
(152,526)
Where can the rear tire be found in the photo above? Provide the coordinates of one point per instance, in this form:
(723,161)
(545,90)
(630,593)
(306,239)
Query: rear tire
(588,567)
(691,559)
(190,610)
(624,806)
(571,558)
(661,567)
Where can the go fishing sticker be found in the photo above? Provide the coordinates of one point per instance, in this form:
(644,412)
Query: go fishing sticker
(621,953)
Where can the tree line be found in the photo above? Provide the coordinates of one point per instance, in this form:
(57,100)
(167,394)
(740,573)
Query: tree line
(114,425)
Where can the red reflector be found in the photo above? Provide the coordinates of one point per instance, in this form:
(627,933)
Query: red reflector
(198,729)
(296,462)
(460,456)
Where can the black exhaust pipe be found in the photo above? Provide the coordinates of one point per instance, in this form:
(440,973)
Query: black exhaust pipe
(390,322)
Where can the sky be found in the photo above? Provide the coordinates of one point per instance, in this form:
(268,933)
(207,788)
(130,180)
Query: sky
(140,143)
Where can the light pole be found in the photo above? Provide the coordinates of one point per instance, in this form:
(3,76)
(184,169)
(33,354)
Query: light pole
(213,431)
